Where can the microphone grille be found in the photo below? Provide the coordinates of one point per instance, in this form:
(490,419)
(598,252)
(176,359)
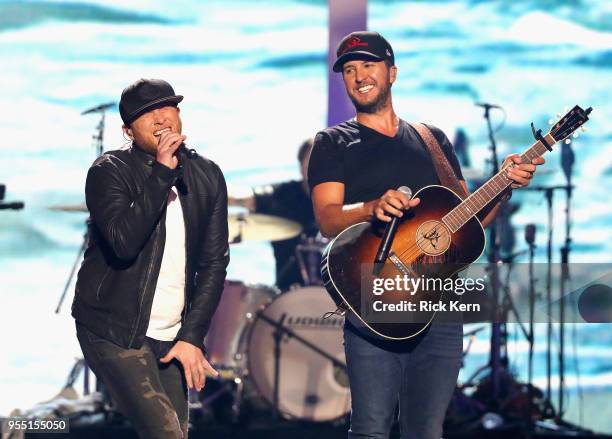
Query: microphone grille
(405,190)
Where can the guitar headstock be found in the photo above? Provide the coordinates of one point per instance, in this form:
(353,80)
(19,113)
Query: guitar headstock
(568,124)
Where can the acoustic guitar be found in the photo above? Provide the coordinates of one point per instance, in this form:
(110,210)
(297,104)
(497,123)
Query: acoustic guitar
(435,240)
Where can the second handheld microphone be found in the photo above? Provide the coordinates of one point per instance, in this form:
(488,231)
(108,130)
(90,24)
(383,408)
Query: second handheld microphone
(387,238)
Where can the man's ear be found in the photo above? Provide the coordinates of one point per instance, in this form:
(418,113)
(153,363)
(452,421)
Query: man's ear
(393,74)
(127,131)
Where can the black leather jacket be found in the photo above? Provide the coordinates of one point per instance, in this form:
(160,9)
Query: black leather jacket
(126,194)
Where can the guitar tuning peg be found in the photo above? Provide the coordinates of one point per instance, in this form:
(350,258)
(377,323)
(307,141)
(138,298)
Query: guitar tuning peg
(566,109)
(551,121)
(558,115)
(583,129)
(576,134)
(568,141)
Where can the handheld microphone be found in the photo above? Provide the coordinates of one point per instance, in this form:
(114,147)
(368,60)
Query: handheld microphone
(387,238)
(189,152)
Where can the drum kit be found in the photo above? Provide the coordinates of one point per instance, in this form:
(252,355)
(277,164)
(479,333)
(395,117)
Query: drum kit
(283,347)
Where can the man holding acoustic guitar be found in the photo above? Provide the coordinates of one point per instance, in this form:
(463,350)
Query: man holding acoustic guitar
(355,171)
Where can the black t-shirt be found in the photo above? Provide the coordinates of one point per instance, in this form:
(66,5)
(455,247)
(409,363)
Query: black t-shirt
(369,163)
(288,200)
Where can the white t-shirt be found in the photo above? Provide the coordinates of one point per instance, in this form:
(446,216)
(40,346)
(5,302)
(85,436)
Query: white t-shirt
(169,299)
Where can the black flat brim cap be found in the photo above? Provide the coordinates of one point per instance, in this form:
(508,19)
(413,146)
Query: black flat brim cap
(157,103)
(145,95)
(351,56)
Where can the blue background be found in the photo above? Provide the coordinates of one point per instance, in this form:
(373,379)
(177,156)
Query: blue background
(253,74)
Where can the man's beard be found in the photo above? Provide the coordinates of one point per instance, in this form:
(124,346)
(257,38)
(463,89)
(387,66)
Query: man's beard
(375,105)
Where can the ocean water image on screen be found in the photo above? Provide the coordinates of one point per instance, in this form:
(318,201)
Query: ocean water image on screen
(254,77)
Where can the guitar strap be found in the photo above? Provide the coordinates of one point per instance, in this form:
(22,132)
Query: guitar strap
(444,170)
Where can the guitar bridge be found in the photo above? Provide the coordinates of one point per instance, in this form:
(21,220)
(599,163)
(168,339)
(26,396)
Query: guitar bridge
(397,262)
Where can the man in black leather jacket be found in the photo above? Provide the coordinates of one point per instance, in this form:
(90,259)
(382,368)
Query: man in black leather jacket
(155,264)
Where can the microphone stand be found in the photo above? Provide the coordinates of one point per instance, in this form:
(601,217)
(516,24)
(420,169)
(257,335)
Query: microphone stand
(493,271)
(567,163)
(548,194)
(98,141)
(532,294)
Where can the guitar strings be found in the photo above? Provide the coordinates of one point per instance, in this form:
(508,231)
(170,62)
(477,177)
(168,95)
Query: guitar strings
(415,246)
(414,251)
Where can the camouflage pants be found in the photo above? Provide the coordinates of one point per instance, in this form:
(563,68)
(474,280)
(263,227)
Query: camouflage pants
(152,395)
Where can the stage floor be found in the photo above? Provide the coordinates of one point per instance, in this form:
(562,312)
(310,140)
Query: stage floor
(295,430)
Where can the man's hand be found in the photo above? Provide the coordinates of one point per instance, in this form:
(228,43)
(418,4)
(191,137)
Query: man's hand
(392,203)
(169,142)
(521,173)
(193,361)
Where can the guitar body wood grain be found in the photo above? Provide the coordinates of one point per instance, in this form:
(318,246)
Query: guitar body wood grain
(422,244)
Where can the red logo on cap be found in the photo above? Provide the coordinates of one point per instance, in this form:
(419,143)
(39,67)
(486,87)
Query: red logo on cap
(353,42)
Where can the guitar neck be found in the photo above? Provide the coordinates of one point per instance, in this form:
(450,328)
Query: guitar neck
(479,199)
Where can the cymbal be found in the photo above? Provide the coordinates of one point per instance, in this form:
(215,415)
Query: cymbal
(69,207)
(258,227)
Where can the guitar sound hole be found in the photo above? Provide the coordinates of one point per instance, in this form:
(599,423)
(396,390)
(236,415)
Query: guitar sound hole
(433,238)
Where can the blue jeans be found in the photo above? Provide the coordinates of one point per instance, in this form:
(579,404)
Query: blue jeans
(419,374)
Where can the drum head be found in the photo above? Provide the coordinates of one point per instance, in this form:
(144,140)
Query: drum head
(310,387)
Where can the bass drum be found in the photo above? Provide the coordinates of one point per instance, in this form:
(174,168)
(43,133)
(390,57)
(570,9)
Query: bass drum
(311,388)
(238,304)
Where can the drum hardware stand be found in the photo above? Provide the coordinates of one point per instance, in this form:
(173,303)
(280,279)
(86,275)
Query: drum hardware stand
(549,202)
(498,363)
(285,270)
(237,398)
(567,163)
(310,267)
(278,333)
(495,360)
(305,270)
